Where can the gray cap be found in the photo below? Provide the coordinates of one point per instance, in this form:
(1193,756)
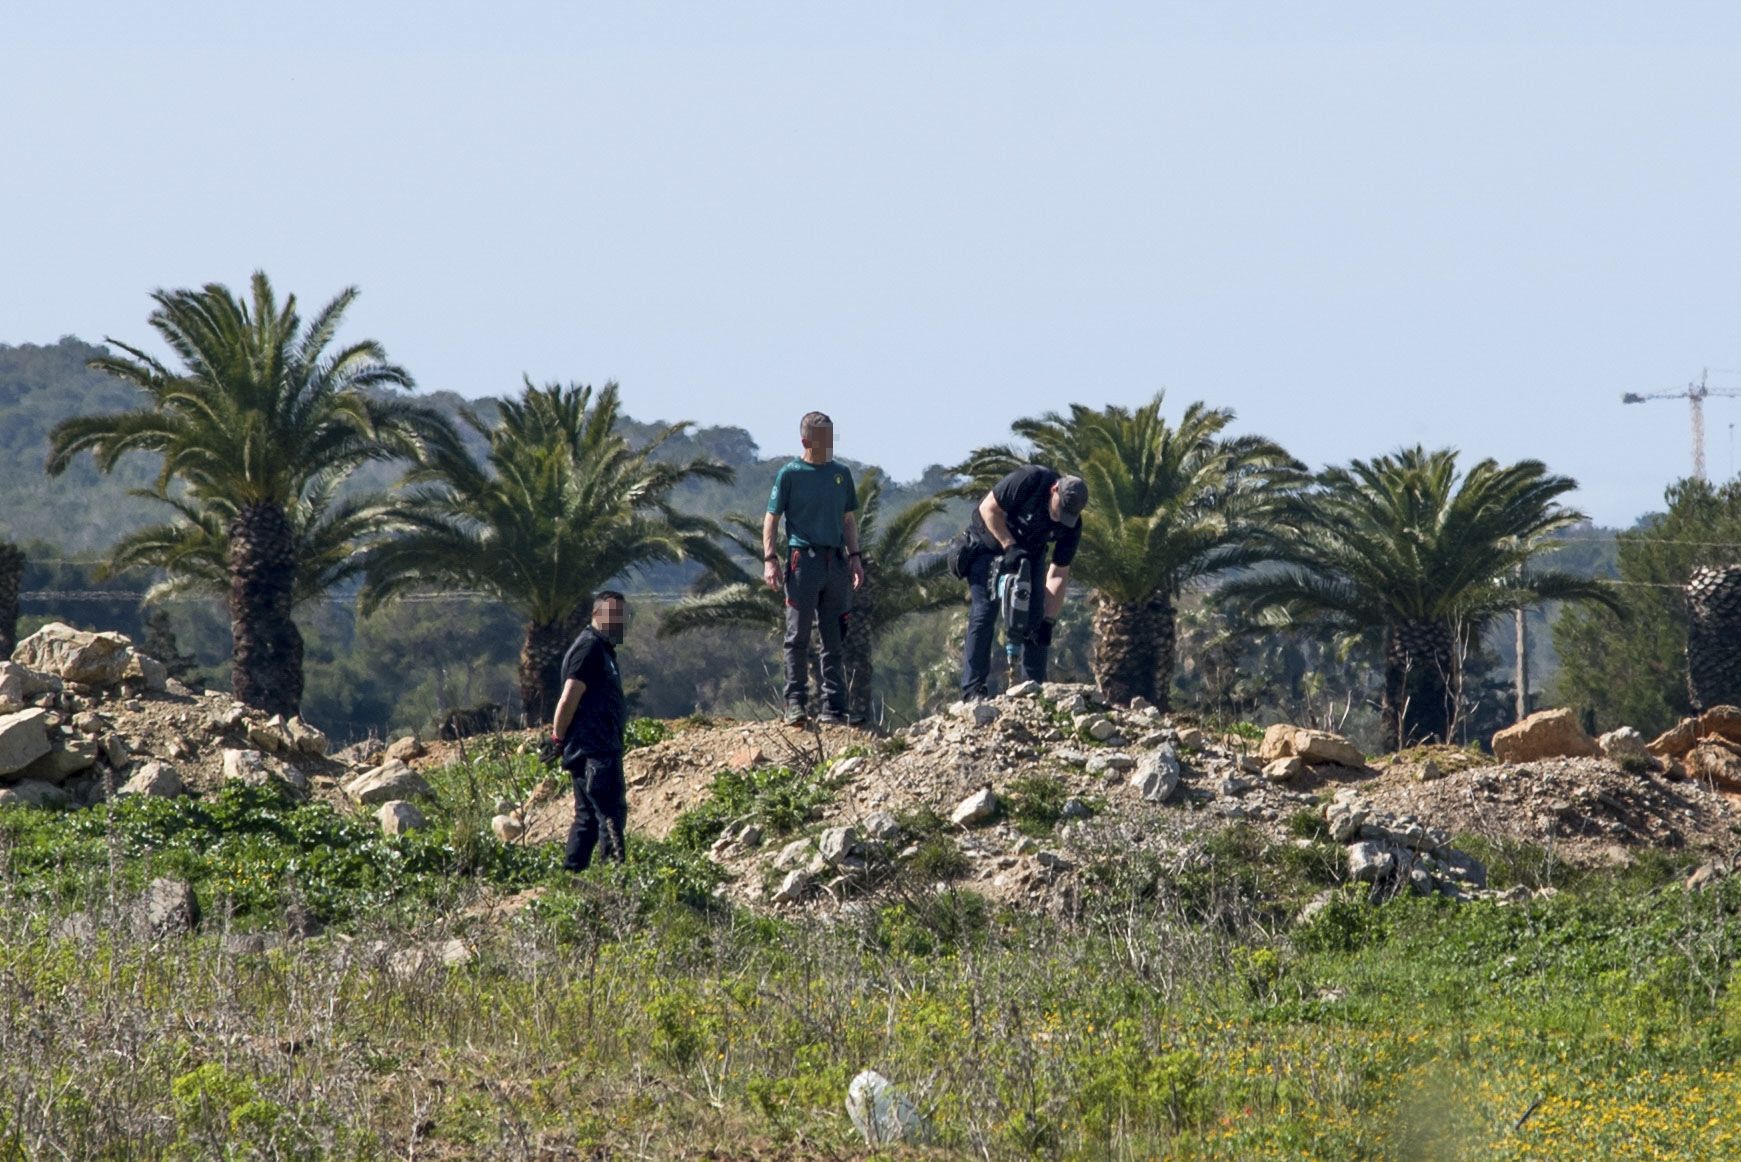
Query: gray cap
(1072,498)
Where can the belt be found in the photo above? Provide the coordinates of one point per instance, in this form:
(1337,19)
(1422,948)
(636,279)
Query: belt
(819,551)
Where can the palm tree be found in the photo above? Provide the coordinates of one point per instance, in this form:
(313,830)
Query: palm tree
(899,580)
(560,506)
(1401,548)
(260,411)
(1168,505)
(193,551)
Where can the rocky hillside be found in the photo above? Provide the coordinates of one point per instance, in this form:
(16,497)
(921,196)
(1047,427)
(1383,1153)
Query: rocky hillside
(1026,798)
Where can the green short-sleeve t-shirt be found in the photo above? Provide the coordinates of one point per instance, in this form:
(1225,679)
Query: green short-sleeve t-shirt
(814,498)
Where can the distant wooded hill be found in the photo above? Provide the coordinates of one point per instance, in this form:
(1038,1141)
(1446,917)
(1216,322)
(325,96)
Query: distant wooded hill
(83,512)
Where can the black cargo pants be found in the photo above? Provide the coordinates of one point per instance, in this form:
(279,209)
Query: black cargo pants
(818,592)
(601,811)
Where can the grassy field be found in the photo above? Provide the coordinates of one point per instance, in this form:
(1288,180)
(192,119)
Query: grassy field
(625,1014)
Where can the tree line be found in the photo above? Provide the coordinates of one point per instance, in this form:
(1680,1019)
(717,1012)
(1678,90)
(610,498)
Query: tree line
(262,423)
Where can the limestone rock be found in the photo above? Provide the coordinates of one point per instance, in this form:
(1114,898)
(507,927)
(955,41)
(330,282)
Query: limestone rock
(116,750)
(34,793)
(398,817)
(1623,743)
(1546,734)
(1157,776)
(1278,743)
(1101,729)
(1322,746)
(306,739)
(23,739)
(1281,770)
(792,887)
(1676,741)
(1429,772)
(793,855)
(507,828)
(846,768)
(153,778)
(1716,764)
(747,758)
(836,844)
(1191,738)
(68,757)
(13,680)
(391,780)
(167,908)
(980,712)
(1075,808)
(147,672)
(882,827)
(1370,861)
(76,655)
(976,808)
(405,749)
(1027,689)
(1723,721)
(1099,764)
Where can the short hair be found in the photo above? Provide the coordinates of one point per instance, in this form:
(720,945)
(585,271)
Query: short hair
(604,595)
(814,422)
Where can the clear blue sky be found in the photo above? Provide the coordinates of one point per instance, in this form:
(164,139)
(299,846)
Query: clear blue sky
(1359,225)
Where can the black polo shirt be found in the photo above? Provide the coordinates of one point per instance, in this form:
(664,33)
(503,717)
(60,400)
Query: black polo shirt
(1025,496)
(597,728)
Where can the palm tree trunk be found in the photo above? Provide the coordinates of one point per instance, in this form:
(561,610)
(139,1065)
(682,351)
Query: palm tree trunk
(266,665)
(11,584)
(1714,636)
(861,646)
(1421,684)
(1133,648)
(541,665)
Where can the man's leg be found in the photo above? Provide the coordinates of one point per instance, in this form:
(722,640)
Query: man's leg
(981,626)
(802,584)
(610,805)
(834,600)
(583,832)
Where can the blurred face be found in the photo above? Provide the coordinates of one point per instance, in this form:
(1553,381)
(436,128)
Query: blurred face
(1055,504)
(611,618)
(819,442)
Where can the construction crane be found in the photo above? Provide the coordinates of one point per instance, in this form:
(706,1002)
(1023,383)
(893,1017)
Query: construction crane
(1695,394)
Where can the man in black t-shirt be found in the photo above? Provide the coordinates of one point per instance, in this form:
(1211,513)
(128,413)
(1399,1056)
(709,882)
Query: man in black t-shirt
(590,717)
(1025,512)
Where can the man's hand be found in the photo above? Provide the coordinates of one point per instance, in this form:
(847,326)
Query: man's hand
(550,751)
(1013,559)
(856,564)
(771,572)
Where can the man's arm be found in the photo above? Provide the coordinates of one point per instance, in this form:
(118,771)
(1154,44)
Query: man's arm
(852,555)
(770,555)
(566,706)
(992,513)
(1057,578)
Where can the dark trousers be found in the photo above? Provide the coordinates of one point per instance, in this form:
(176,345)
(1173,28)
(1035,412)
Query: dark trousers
(601,811)
(982,624)
(819,593)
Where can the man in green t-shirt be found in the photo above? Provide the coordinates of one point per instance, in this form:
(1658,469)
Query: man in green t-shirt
(819,565)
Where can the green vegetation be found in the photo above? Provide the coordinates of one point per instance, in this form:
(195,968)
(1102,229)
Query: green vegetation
(1627,666)
(1407,550)
(780,800)
(625,1010)
(258,426)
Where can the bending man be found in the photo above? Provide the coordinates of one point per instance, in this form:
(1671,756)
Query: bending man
(1012,527)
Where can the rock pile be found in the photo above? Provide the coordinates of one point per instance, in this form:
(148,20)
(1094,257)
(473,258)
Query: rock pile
(1706,748)
(85,715)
